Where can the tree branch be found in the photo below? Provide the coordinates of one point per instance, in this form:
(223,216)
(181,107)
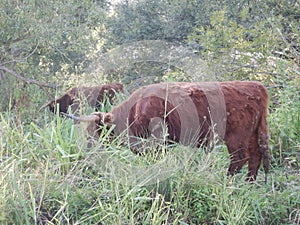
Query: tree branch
(27,80)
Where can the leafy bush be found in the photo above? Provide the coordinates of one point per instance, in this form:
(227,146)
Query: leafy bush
(284,122)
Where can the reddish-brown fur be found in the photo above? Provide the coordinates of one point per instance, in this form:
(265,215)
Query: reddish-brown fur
(246,134)
(93,95)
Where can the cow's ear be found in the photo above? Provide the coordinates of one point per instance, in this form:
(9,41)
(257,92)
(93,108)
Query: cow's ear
(108,118)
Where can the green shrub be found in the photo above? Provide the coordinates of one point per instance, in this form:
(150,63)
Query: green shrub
(284,123)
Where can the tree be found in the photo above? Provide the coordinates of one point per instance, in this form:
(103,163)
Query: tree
(40,40)
(257,43)
(170,20)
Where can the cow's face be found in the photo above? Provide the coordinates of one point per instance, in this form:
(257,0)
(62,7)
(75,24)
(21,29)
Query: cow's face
(101,119)
(98,122)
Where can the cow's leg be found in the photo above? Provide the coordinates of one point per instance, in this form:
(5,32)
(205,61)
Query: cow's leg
(238,154)
(254,159)
(237,161)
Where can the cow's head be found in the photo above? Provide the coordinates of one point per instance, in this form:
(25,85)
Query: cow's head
(68,99)
(64,102)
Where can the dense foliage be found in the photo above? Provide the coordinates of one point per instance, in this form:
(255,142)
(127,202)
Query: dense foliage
(44,41)
(47,175)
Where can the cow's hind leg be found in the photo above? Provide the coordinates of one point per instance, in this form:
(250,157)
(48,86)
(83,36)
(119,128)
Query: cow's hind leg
(254,159)
(238,157)
(236,164)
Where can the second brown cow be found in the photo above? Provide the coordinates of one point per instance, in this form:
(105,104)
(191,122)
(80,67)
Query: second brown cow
(93,96)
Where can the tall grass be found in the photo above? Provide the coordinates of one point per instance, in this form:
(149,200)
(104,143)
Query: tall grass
(49,176)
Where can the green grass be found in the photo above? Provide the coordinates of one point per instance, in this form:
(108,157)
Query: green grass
(48,176)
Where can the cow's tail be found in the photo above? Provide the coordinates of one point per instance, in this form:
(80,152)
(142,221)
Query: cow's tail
(264,141)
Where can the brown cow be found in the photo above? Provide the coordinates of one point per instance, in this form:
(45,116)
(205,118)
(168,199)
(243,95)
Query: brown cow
(77,95)
(195,113)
